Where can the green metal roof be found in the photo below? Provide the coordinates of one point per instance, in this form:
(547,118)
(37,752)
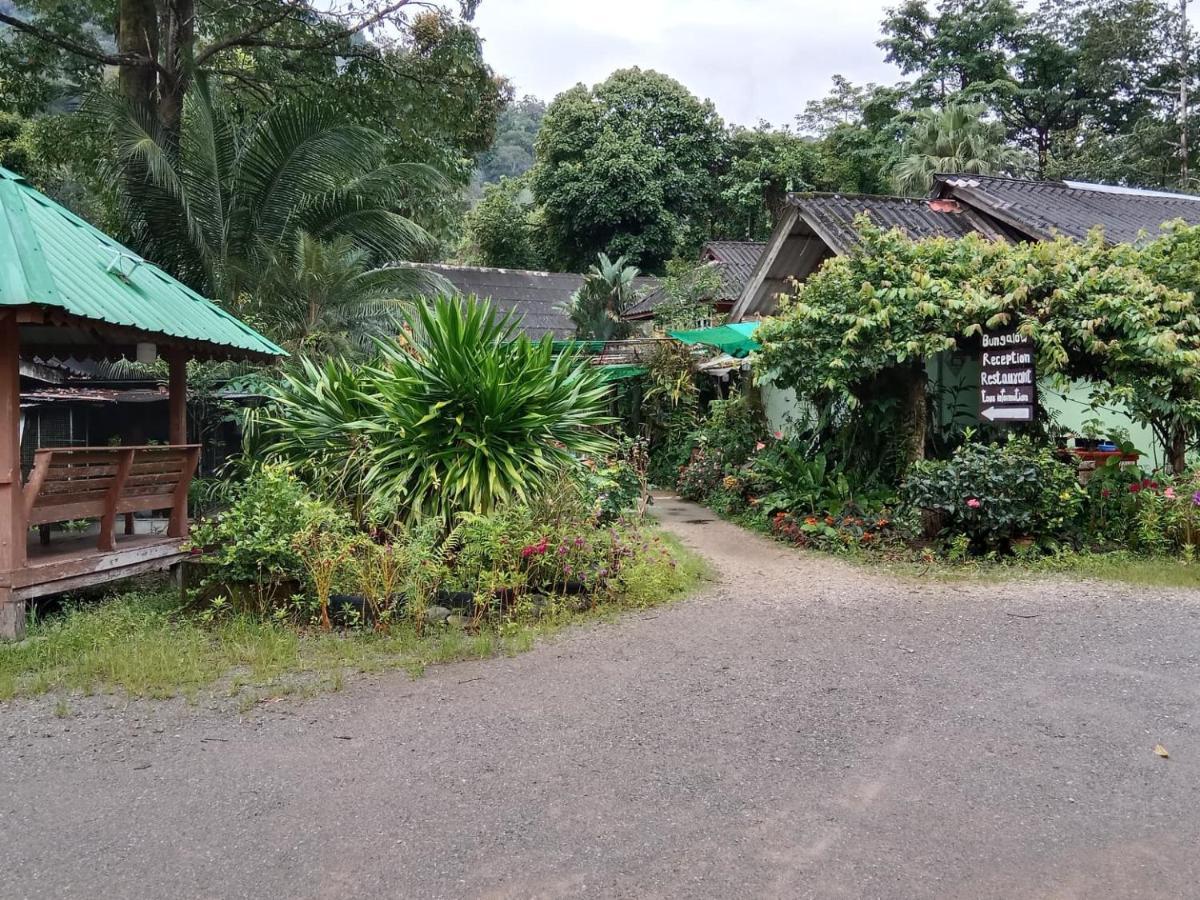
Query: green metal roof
(51,257)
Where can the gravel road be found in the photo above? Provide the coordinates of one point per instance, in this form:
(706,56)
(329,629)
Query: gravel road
(801,728)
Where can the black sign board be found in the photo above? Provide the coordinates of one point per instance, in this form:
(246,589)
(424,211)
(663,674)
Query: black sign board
(1007,386)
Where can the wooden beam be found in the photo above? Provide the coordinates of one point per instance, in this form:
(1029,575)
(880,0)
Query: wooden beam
(12,506)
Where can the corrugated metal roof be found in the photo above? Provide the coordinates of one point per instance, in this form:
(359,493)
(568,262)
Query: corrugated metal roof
(1041,209)
(831,216)
(51,257)
(537,298)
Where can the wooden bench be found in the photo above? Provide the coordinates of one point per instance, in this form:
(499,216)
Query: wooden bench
(68,483)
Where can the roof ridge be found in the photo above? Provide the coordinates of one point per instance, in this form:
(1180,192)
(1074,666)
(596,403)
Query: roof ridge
(464,268)
(844,195)
(1045,182)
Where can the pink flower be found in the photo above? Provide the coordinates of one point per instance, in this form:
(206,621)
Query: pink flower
(974,503)
(1169,493)
(779,435)
(759,446)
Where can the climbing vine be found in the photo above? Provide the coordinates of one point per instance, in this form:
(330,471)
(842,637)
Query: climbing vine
(1122,318)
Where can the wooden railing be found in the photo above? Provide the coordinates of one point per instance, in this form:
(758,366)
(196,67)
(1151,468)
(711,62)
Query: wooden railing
(68,483)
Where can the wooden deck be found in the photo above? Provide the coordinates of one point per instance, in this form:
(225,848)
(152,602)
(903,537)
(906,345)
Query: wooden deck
(70,563)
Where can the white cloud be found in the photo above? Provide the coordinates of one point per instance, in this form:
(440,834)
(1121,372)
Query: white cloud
(756,59)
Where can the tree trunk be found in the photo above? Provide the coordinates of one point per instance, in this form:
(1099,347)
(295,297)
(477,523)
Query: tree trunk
(137,33)
(180,35)
(1177,448)
(916,413)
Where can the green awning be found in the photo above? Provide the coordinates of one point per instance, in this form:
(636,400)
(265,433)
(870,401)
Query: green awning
(621,371)
(50,257)
(737,339)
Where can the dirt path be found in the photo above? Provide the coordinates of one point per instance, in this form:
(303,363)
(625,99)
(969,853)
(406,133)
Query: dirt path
(799,729)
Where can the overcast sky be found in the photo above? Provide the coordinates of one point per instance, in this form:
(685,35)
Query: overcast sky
(755,59)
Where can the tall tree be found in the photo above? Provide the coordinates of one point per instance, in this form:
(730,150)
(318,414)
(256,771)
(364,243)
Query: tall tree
(502,229)
(761,165)
(962,45)
(626,167)
(161,45)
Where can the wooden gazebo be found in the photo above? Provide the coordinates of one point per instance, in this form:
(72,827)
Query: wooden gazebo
(68,290)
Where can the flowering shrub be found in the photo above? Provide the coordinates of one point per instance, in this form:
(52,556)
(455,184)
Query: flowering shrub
(702,475)
(1147,512)
(993,493)
(723,442)
(834,532)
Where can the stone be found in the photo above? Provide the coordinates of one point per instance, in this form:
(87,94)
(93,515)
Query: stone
(456,620)
(437,614)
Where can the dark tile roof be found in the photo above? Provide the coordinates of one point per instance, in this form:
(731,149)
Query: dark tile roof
(537,297)
(534,296)
(736,259)
(831,217)
(1040,209)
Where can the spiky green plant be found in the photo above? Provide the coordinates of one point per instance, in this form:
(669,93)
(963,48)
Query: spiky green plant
(468,414)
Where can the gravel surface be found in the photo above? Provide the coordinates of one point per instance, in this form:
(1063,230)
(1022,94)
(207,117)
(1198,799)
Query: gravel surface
(801,728)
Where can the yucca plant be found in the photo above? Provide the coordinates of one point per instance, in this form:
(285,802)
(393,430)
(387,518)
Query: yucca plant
(475,413)
(464,414)
(317,425)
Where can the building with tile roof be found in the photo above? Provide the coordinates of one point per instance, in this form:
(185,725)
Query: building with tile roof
(736,261)
(818,226)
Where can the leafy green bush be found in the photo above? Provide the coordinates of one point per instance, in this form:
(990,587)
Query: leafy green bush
(993,493)
(471,415)
(254,541)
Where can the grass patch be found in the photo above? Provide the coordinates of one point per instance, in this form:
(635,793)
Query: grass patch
(1115,566)
(145,644)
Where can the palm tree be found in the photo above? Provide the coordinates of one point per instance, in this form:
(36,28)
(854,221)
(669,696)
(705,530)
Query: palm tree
(232,200)
(325,297)
(954,138)
(598,306)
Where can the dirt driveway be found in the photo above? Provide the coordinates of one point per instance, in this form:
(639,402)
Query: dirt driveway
(800,729)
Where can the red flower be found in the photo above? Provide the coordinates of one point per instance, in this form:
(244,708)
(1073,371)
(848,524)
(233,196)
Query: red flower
(1135,487)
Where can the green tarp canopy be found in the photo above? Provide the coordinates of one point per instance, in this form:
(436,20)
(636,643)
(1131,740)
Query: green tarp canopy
(737,339)
(620,371)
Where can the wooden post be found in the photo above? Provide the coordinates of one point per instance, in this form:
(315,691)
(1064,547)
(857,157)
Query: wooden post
(108,538)
(12,504)
(177,437)
(177,403)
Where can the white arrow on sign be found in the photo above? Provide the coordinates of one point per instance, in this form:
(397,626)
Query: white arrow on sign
(1018,413)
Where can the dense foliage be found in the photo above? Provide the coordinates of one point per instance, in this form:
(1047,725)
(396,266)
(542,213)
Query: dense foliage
(577,542)
(226,210)
(464,415)
(625,167)
(868,321)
